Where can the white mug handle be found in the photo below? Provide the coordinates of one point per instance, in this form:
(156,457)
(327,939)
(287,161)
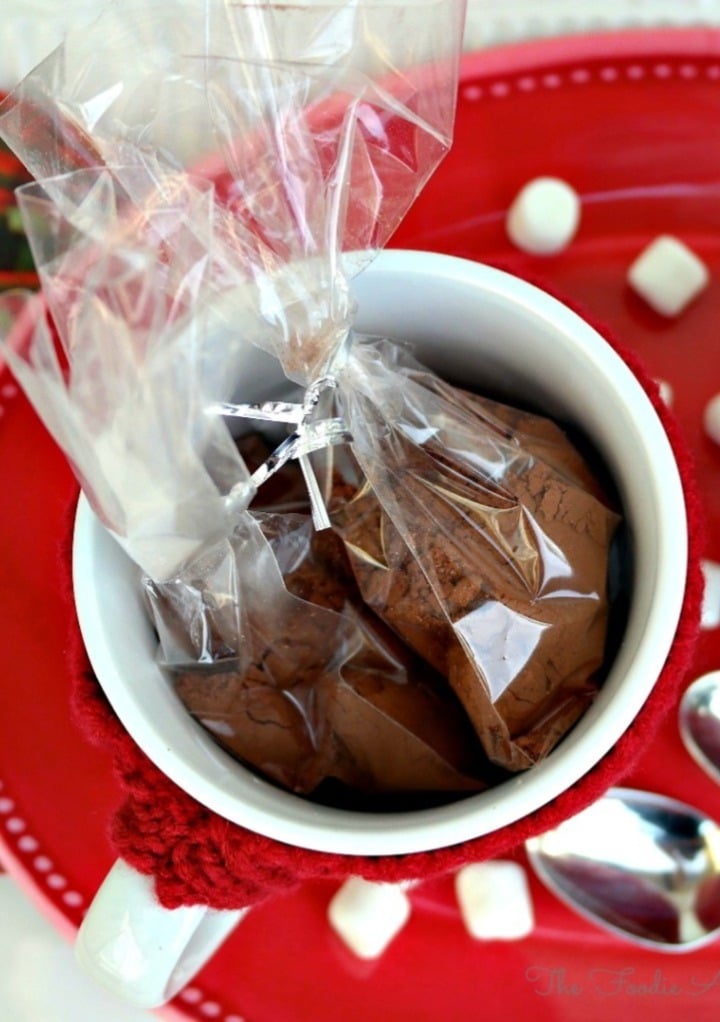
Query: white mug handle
(141,951)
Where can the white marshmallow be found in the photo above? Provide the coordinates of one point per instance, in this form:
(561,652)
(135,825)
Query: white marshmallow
(710,616)
(668,275)
(367,916)
(544,216)
(494,900)
(667,395)
(711,418)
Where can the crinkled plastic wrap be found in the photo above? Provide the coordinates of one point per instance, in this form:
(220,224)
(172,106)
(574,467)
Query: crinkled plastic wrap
(479,535)
(209,174)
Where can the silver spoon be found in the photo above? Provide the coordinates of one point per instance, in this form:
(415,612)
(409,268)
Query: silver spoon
(644,867)
(699,719)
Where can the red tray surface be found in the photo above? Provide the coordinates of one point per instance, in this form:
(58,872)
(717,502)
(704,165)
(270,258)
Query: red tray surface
(631,121)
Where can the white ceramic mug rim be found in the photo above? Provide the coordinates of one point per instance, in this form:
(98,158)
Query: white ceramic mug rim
(298,821)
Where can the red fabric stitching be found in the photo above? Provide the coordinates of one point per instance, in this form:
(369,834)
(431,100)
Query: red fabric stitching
(198,857)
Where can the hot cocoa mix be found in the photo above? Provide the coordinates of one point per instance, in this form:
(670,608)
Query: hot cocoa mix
(502,583)
(332,693)
(387,677)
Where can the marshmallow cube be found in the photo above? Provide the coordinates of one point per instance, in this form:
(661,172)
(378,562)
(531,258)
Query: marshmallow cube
(544,216)
(711,418)
(710,616)
(494,900)
(668,275)
(367,916)
(667,395)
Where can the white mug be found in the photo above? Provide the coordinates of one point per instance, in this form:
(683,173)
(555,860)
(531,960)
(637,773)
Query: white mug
(490,331)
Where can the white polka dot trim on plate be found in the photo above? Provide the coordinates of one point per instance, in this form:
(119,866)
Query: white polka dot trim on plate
(604,74)
(8,391)
(27,847)
(207,1008)
(191,995)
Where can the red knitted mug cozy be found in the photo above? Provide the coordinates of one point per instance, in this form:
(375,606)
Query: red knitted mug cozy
(198,857)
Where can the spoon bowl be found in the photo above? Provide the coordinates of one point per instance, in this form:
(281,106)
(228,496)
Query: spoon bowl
(640,865)
(699,720)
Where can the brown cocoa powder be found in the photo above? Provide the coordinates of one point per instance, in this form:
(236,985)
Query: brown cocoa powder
(520,568)
(334,696)
(381,693)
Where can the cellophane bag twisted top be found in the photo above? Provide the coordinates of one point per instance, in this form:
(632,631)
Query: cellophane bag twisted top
(366,583)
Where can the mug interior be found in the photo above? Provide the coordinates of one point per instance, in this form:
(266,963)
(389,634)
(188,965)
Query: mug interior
(494,333)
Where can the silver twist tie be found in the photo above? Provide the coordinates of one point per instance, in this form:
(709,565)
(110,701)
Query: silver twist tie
(308,436)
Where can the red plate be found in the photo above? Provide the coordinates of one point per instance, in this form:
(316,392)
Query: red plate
(632,121)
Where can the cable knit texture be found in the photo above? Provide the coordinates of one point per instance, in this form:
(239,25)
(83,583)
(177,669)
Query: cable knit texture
(198,857)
